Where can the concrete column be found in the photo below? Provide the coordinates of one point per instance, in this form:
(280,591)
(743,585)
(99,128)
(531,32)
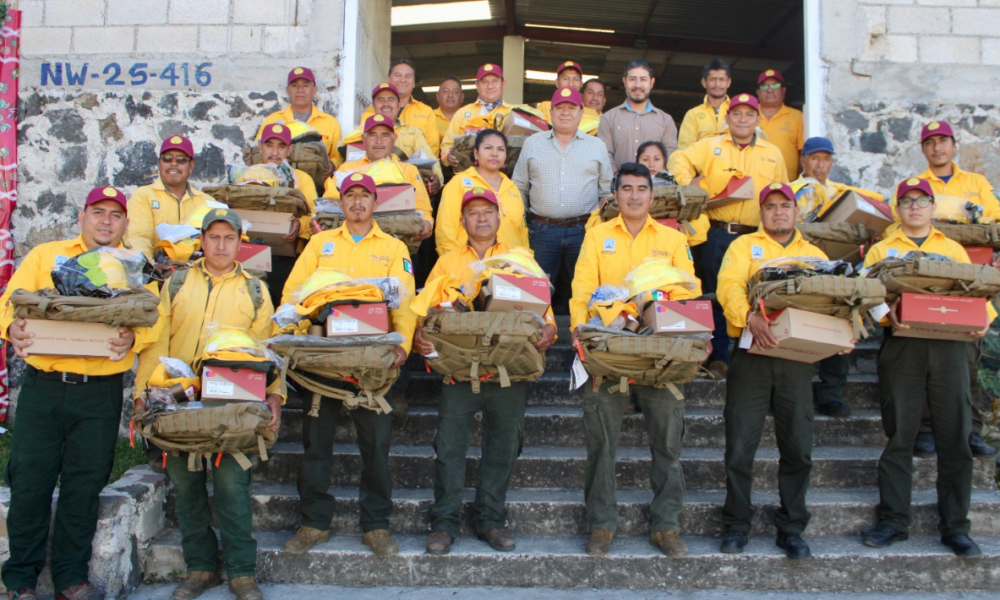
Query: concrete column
(513,68)
(815,71)
(349,65)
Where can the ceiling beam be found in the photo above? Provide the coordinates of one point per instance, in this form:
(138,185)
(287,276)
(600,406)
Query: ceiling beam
(508,6)
(795,9)
(645,21)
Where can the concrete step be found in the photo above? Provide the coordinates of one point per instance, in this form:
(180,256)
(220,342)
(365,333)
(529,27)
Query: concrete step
(563,426)
(840,564)
(561,466)
(562,511)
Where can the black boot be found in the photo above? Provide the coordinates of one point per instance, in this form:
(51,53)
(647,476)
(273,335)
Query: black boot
(794,546)
(924,446)
(980,449)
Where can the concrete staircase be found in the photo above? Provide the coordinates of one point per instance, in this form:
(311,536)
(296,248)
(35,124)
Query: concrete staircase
(546,506)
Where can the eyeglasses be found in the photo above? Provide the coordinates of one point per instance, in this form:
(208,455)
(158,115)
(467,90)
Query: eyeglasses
(179,160)
(922,202)
(769,86)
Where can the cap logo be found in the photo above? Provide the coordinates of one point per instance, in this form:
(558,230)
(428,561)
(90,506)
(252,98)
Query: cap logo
(383,85)
(775,186)
(488,68)
(176,139)
(110,192)
(277,128)
(744,98)
(221,212)
(568,63)
(357,177)
(912,181)
(769,72)
(565,93)
(933,126)
(478,190)
(298,71)
(379,118)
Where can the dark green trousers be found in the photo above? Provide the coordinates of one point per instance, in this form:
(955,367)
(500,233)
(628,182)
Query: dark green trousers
(62,432)
(603,412)
(979,406)
(503,433)
(915,373)
(755,385)
(832,379)
(375,492)
(233,512)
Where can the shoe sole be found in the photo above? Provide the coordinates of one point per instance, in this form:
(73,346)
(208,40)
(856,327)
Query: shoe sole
(498,547)
(896,538)
(206,588)
(731,550)
(438,552)
(381,554)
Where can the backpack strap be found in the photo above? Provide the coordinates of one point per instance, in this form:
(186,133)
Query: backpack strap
(176,282)
(256,292)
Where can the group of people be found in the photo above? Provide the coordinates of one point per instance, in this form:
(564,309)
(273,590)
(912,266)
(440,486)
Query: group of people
(69,408)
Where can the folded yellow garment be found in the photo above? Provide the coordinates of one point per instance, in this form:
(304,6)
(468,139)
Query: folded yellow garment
(180,251)
(445,288)
(233,355)
(384,171)
(609,311)
(361,292)
(159,378)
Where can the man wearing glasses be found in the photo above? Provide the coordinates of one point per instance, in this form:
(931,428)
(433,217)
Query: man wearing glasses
(781,124)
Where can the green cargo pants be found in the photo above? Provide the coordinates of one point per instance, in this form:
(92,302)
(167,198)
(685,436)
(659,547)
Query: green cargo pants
(603,413)
(62,432)
(914,373)
(233,512)
(503,432)
(754,385)
(979,406)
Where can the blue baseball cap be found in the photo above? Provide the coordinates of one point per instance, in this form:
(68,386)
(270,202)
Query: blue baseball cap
(817,144)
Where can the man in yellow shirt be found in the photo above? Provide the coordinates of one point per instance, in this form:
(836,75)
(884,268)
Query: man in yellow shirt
(68,413)
(708,118)
(610,251)
(759,384)
(917,374)
(214,290)
(360,249)
(568,74)
(594,95)
(490,85)
(301,90)
(409,139)
(781,124)
(413,112)
(716,159)
(170,199)
(450,97)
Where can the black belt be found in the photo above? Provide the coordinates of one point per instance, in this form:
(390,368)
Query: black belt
(570,222)
(73,378)
(733,227)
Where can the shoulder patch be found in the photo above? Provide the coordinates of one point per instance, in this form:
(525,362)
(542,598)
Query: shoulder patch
(467,182)
(718,151)
(756,251)
(688,248)
(156,205)
(892,253)
(408,266)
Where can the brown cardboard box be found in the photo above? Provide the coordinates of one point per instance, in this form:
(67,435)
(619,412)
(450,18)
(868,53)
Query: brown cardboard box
(396,197)
(804,336)
(355,151)
(941,317)
(363,319)
(980,255)
(69,338)
(234,385)
(738,190)
(519,123)
(255,256)
(502,292)
(838,251)
(852,207)
(679,317)
(267,228)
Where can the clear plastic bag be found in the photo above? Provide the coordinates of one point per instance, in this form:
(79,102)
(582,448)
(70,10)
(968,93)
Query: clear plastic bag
(327,205)
(655,273)
(102,273)
(951,209)
(811,198)
(421,160)
(263,174)
(176,368)
(608,293)
(315,341)
(286,315)
(789,267)
(176,233)
(326,279)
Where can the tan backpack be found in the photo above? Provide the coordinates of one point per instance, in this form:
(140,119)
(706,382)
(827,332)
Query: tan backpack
(310,157)
(136,308)
(659,361)
(259,197)
(684,203)
(972,235)
(402,226)
(843,297)
(854,234)
(918,274)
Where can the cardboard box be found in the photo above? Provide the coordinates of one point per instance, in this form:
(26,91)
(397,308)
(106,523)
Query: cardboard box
(738,190)
(355,151)
(255,256)
(980,255)
(852,207)
(673,224)
(677,317)
(234,385)
(69,338)
(396,197)
(502,292)
(838,251)
(363,319)
(519,123)
(804,336)
(941,317)
(267,228)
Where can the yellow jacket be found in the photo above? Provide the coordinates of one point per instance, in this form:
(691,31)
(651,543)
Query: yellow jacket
(203,299)
(967,185)
(327,125)
(308,188)
(152,205)
(745,255)
(419,115)
(34,274)
(784,130)
(450,234)
(701,122)
(409,139)
(410,173)
(719,154)
(463,116)
(609,252)
(442,126)
(378,254)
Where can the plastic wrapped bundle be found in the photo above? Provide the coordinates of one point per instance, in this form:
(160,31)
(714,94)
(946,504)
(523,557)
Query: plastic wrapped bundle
(102,273)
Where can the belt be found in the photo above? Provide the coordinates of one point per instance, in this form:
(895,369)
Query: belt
(570,222)
(73,378)
(732,227)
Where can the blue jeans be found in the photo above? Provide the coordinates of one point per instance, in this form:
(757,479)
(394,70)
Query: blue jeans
(713,251)
(556,251)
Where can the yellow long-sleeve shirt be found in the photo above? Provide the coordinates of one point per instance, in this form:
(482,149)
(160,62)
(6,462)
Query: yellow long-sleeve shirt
(35,273)
(203,299)
(409,140)
(378,254)
(966,185)
(784,130)
(609,252)
(745,255)
(463,116)
(410,174)
(326,124)
(719,154)
(442,125)
(449,233)
(151,205)
(701,122)
(419,115)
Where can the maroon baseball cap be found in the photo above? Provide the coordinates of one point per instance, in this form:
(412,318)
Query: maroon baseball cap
(479,193)
(770,74)
(747,99)
(99,194)
(564,95)
(913,183)
(177,142)
(377,120)
(569,65)
(357,179)
(382,87)
(301,73)
(780,188)
(276,131)
(936,128)
(489,69)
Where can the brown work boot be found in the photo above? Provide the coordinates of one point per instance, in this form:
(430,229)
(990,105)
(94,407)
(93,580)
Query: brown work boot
(599,543)
(498,538)
(380,543)
(245,588)
(718,369)
(195,585)
(669,544)
(439,542)
(306,538)
(22,594)
(80,591)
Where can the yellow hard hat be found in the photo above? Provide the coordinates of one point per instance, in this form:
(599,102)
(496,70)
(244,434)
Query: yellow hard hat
(197,216)
(519,256)
(653,274)
(320,279)
(229,338)
(297,128)
(258,175)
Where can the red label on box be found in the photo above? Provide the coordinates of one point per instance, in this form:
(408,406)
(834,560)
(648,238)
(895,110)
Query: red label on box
(226,383)
(980,255)
(255,256)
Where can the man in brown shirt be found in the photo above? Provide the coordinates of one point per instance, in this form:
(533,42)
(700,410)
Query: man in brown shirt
(624,128)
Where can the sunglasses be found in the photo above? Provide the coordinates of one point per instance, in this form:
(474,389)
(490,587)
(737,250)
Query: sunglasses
(922,202)
(180,160)
(769,86)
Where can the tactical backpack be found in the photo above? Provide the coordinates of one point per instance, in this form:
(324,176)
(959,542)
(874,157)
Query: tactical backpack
(843,297)
(659,361)
(684,203)
(402,226)
(254,289)
(260,197)
(476,346)
(854,234)
(972,235)
(239,428)
(462,150)
(308,155)
(514,145)
(918,274)
(135,308)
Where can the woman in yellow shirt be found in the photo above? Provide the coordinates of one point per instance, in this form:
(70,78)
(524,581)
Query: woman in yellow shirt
(490,154)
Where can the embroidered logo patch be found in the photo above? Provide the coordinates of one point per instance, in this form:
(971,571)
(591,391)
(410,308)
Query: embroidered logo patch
(892,253)
(718,151)
(328,248)
(156,205)
(408,266)
(756,252)
(609,245)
